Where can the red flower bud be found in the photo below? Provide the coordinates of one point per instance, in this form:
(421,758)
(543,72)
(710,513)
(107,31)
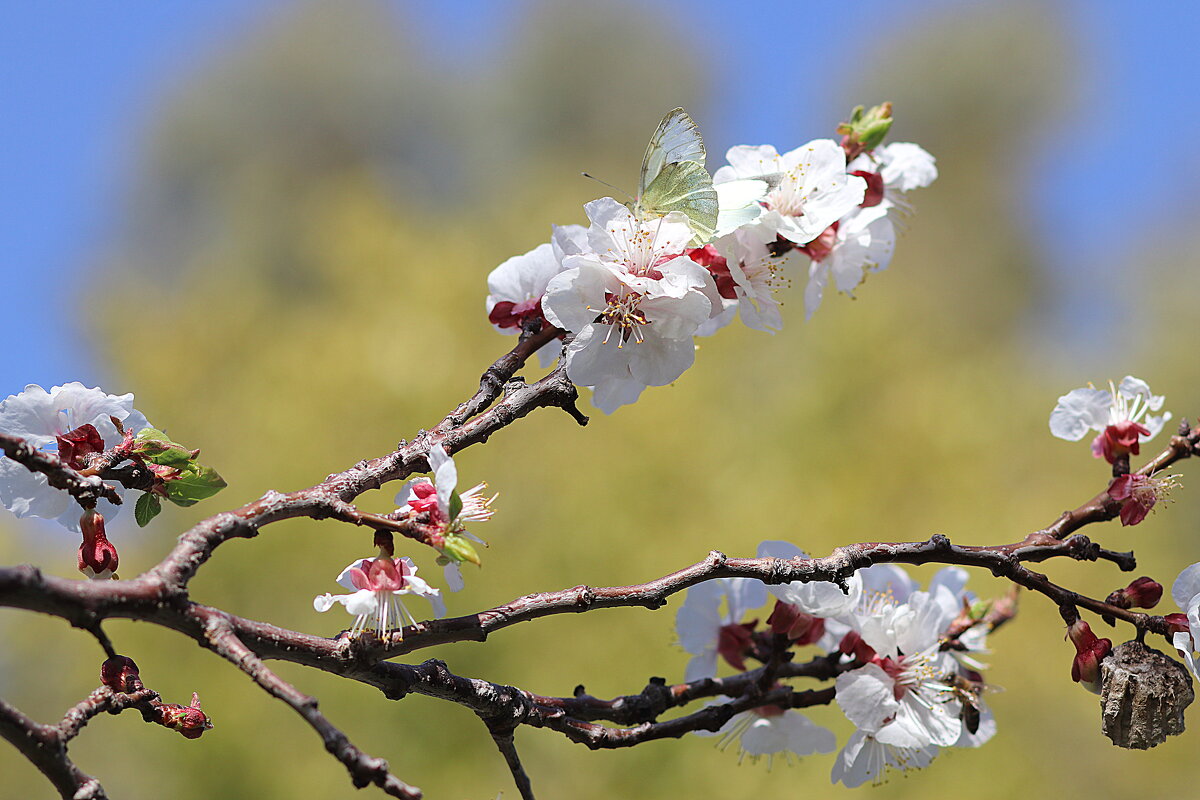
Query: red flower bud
(190,721)
(1089,652)
(120,674)
(1177,623)
(97,555)
(1142,593)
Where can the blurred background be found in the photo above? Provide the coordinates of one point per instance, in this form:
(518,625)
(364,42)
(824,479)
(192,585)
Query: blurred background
(273,221)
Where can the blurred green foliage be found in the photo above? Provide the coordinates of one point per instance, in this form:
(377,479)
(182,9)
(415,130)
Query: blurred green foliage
(306,251)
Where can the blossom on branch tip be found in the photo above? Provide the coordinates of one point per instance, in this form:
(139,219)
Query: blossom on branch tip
(449,512)
(73,421)
(378,584)
(1119,415)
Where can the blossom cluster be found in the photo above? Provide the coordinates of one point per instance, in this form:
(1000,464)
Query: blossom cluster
(908,675)
(633,289)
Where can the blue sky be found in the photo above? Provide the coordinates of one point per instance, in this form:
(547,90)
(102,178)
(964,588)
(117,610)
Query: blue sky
(82,79)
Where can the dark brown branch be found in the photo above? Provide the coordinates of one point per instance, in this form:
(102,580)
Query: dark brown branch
(43,746)
(555,390)
(86,489)
(1103,508)
(508,749)
(709,718)
(364,770)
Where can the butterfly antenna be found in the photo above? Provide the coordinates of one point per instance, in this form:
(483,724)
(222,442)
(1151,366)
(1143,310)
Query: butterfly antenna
(609,185)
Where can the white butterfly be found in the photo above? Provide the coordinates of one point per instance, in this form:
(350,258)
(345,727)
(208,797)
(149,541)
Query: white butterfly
(673,177)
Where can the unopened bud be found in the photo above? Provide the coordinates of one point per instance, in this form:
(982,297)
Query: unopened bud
(865,129)
(120,674)
(97,555)
(190,721)
(1089,652)
(1176,623)
(1141,593)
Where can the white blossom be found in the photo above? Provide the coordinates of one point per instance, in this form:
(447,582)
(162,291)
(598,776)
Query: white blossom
(633,303)
(39,416)
(1089,408)
(862,242)
(812,189)
(377,585)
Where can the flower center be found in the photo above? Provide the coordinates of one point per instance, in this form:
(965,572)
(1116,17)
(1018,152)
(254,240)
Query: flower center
(624,316)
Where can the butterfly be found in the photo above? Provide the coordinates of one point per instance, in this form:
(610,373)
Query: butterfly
(673,177)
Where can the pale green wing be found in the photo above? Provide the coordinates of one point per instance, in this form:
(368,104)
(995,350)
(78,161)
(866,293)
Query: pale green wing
(675,139)
(687,187)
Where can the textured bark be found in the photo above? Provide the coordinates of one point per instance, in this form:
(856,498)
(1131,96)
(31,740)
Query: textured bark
(1144,697)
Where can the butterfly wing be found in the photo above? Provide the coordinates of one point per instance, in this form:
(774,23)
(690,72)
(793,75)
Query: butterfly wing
(687,187)
(675,139)
(673,177)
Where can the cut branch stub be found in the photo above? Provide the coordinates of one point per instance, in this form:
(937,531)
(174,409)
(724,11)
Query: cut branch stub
(1144,696)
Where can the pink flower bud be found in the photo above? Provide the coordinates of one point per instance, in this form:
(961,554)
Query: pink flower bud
(120,674)
(798,626)
(1177,623)
(97,555)
(1089,652)
(1142,593)
(190,721)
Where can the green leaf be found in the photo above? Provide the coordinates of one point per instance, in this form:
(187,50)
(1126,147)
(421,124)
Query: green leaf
(196,482)
(456,505)
(147,508)
(157,448)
